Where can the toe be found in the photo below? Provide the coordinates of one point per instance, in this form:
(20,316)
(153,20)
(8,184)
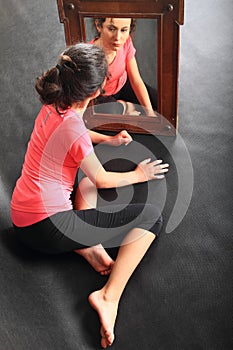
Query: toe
(104,343)
(106,272)
(109,336)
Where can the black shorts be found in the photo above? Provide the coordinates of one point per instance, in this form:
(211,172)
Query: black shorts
(76,229)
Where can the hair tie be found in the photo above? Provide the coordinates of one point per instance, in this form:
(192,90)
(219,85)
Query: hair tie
(59,68)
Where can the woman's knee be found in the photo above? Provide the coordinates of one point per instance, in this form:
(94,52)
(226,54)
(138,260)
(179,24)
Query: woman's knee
(86,195)
(154,218)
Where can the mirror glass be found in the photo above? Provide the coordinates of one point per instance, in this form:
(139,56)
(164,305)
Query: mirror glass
(144,39)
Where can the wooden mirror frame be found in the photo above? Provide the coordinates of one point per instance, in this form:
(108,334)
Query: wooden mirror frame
(169,15)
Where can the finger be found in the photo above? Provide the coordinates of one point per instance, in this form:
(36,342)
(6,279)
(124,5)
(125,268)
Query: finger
(159,177)
(156,162)
(125,133)
(160,164)
(145,161)
(128,142)
(161,170)
(166,165)
(126,137)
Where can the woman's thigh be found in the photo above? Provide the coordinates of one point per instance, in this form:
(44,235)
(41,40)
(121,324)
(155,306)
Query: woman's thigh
(70,230)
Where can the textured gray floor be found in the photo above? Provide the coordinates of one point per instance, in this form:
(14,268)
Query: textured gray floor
(180,297)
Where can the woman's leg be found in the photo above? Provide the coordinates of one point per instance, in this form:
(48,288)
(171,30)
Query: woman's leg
(98,258)
(106,300)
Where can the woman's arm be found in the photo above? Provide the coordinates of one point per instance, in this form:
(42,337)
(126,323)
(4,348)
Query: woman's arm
(122,138)
(144,171)
(138,86)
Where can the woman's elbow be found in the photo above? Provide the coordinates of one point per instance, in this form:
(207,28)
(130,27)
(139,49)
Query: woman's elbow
(104,183)
(101,183)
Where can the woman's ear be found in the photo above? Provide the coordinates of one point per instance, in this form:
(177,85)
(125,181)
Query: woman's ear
(95,94)
(98,25)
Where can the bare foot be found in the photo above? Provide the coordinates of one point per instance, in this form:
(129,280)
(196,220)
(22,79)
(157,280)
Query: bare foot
(107,311)
(98,258)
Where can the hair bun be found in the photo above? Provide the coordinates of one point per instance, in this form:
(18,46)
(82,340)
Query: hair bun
(67,62)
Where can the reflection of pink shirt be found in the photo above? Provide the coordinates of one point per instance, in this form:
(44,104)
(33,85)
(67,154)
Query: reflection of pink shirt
(57,146)
(117,69)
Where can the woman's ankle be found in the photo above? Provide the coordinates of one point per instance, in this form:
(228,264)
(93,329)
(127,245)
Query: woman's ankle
(110,295)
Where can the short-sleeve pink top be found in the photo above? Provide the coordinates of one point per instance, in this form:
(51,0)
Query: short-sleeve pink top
(117,69)
(59,142)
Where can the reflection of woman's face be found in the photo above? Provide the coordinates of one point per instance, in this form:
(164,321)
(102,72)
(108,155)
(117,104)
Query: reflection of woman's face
(114,32)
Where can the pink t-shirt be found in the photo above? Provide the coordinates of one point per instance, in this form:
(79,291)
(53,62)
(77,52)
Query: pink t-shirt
(117,68)
(57,146)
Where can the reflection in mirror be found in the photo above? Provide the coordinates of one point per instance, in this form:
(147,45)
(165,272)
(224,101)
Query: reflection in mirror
(128,44)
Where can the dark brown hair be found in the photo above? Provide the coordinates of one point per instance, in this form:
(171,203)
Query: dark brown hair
(102,20)
(80,71)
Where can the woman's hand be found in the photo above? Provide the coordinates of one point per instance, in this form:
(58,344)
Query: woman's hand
(148,170)
(145,171)
(122,138)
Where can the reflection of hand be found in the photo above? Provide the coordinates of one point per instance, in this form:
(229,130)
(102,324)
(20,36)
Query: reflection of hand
(122,138)
(150,113)
(148,170)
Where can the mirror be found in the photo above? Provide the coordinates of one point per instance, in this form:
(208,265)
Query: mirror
(156,40)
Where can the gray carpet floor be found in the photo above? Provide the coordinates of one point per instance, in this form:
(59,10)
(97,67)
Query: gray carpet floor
(180,297)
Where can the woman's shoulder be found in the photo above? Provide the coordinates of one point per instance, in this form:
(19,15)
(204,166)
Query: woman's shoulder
(74,122)
(129,42)
(92,41)
(129,48)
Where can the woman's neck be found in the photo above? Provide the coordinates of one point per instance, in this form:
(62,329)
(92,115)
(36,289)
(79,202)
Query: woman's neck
(80,107)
